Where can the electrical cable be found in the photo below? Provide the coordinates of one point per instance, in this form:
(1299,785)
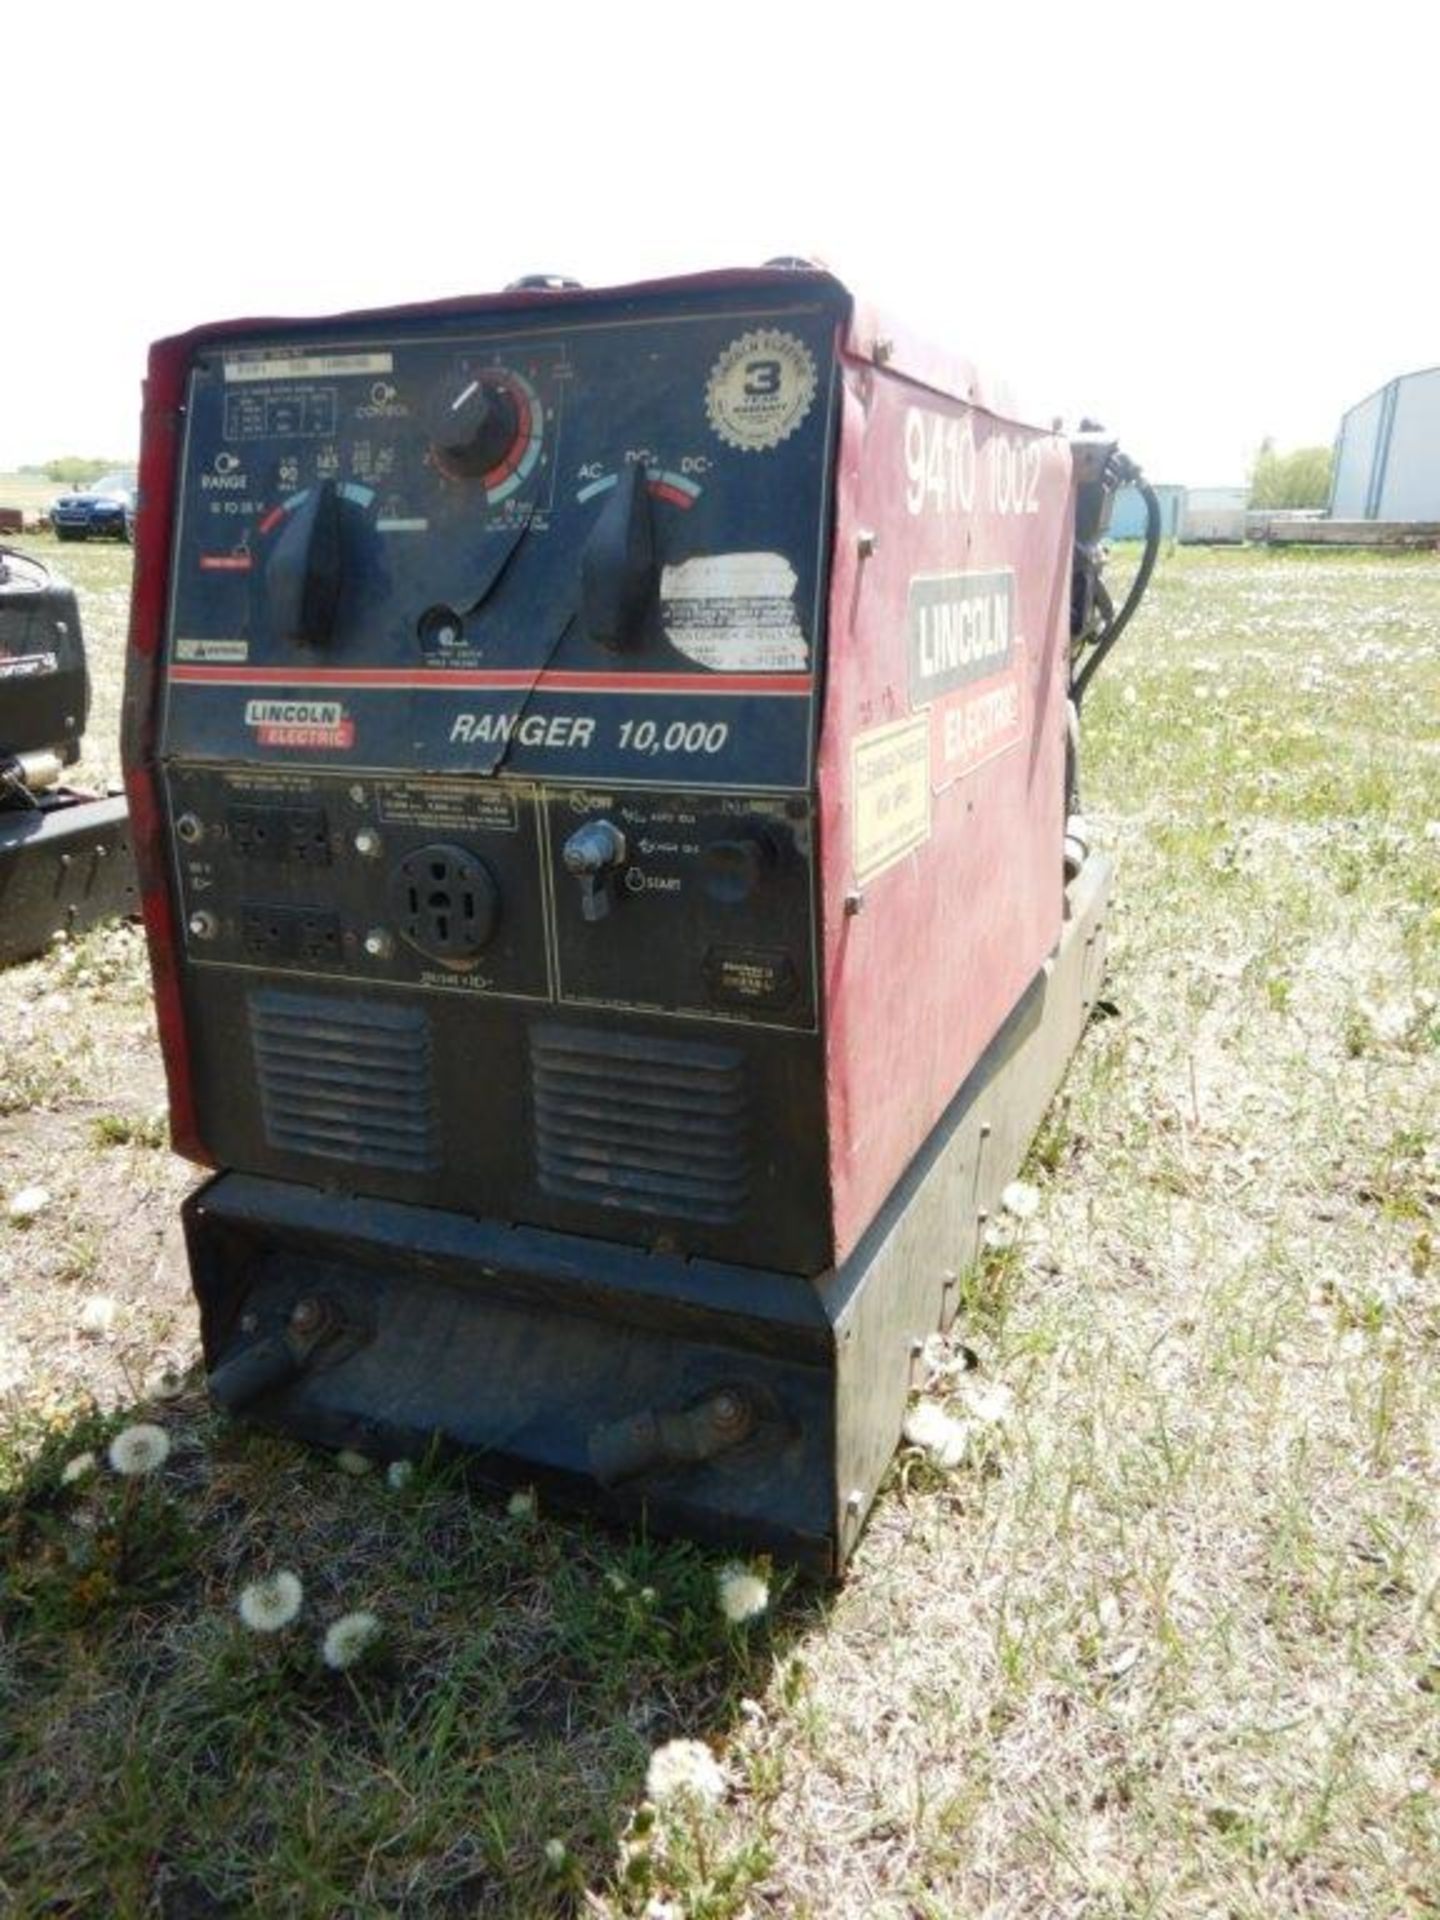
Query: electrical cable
(1114,628)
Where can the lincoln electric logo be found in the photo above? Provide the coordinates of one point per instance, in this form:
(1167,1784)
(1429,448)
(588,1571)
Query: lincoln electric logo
(961,630)
(300,723)
(964,666)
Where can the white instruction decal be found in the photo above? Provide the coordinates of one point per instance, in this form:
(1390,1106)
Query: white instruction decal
(261,364)
(224,652)
(891,782)
(734,613)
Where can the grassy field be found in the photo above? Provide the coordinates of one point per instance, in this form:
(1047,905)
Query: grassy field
(1165,1642)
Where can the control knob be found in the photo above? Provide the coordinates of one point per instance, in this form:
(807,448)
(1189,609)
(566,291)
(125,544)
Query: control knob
(472,430)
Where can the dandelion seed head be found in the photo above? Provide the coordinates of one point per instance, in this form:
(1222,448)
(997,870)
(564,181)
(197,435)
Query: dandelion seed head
(97,1315)
(942,1436)
(349,1639)
(1020,1199)
(522,1504)
(685,1769)
(399,1474)
(271,1603)
(743,1595)
(139,1449)
(556,1854)
(992,1404)
(28,1202)
(80,1468)
(353,1463)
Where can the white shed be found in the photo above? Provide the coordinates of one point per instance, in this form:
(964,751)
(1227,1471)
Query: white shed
(1387,453)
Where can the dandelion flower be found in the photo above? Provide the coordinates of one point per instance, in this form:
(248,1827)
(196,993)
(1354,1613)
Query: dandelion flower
(29,1201)
(743,1594)
(399,1474)
(272,1603)
(941,1435)
(139,1449)
(80,1468)
(685,1769)
(556,1854)
(993,1404)
(97,1316)
(168,1384)
(1020,1199)
(349,1639)
(355,1464)
(522,1504)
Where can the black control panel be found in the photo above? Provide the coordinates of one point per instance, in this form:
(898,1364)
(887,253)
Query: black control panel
(674,903)
(588,551)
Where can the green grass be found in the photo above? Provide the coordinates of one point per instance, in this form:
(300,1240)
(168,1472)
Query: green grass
(1168,1643)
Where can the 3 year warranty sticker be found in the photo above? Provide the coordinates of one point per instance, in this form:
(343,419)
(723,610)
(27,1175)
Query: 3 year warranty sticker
(760,389)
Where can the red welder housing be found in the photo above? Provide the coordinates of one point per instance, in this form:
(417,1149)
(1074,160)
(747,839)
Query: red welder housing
(699,1127)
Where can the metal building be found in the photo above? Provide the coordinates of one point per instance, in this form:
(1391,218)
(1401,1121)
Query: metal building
(1127,518)
(1214,516)
(1387,453)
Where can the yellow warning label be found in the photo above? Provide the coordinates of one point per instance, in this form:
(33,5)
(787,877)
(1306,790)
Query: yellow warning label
(892,794)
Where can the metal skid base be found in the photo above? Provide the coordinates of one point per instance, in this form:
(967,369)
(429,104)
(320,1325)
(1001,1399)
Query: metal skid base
(746,1407)
(65,865)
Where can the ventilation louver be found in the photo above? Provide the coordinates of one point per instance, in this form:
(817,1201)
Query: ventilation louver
(345,1081)
(640,1124)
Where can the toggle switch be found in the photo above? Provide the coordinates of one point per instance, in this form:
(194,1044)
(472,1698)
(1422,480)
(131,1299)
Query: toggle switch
(595,853)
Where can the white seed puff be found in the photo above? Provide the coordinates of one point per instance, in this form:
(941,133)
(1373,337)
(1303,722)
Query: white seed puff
(743,1595)
(139,1449)
(685,1769)
(271,1603)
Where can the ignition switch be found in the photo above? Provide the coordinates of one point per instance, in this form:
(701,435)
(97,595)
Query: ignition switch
(594,853)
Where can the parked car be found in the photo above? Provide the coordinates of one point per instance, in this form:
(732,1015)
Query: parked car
(97,511)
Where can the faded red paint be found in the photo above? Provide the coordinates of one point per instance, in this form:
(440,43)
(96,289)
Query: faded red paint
(155,532)
(947,938)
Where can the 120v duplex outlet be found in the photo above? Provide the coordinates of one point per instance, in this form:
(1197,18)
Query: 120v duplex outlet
(296,936)
(446,903)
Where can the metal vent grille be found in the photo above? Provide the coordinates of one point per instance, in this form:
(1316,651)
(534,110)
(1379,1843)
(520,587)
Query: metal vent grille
(345,1080)
(649,1126)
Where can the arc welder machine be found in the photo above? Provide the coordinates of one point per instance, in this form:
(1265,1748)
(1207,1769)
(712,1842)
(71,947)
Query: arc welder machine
(601,763)
(64,851)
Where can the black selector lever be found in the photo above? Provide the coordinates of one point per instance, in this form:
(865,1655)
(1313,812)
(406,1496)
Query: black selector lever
(594,853)
(617,566)
(305,572)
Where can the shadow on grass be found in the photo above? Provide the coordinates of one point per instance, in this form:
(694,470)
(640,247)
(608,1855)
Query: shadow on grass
(486,1755)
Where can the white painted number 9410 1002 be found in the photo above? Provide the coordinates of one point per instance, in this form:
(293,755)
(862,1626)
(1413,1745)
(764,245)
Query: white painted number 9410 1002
(946,471)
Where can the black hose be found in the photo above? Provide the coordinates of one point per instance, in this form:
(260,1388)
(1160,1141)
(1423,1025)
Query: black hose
(1114,628)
